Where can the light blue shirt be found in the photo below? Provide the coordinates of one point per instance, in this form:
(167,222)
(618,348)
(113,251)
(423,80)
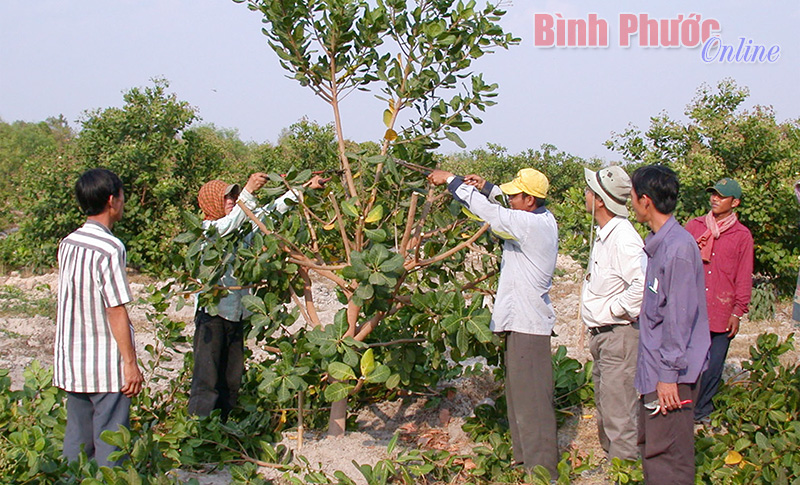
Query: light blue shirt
(230,307)
(530,248)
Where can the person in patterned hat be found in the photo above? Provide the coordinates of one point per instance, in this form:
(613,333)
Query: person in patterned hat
(218,337)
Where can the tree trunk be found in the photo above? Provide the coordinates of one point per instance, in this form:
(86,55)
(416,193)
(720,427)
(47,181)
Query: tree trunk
(338,418)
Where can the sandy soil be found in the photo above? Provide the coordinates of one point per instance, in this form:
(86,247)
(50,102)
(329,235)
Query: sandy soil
(24,339)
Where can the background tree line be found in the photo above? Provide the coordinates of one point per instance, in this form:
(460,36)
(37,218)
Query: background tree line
(155,142)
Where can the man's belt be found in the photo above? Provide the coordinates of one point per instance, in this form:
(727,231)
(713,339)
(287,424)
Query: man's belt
(603,329)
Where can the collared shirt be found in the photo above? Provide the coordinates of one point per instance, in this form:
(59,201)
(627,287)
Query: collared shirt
(673,324)
(522,303)
(612,292)
(729,274)
(230,307)
(91,278)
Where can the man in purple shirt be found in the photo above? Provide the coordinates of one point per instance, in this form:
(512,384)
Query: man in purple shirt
(673,331)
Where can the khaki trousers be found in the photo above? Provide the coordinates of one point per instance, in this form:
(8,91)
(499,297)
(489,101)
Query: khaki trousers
(614,353)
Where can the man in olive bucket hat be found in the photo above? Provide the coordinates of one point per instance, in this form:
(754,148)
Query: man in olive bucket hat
(610,302)
(218,338)
(522,311)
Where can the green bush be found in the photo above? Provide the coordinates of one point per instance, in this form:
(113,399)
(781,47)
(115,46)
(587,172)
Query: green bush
(721,139)
(758,414)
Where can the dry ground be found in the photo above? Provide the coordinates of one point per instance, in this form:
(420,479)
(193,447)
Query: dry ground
(23,339)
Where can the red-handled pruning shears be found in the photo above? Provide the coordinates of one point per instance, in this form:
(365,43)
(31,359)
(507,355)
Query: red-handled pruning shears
(656,405)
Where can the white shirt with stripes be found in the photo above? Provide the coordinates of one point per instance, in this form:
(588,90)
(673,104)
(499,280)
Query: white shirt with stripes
(91,278)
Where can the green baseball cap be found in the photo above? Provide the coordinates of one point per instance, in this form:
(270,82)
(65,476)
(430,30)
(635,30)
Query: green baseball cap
(727,187)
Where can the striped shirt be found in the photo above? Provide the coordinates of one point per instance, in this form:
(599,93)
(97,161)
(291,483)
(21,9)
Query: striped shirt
(91,278)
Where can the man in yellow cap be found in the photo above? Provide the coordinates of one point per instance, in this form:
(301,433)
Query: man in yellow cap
(522,309)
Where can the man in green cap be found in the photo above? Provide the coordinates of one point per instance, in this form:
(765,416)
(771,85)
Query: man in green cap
(726,247)
(522,311)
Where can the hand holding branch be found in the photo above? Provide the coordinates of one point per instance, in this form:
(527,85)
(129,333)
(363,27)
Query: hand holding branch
(439,177)
(255,182)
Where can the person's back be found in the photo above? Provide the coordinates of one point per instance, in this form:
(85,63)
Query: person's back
(526,274)
(95,356)
(85,349)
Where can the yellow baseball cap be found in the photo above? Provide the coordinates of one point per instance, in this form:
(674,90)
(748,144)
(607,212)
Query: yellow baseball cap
(528,180)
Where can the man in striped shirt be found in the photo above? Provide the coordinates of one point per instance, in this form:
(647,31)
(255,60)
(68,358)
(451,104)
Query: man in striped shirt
(95,357)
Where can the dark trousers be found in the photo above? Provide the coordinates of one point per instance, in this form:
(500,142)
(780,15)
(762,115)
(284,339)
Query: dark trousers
(710,379)
(666,442)
(88,415)
(529,396)
(218,364)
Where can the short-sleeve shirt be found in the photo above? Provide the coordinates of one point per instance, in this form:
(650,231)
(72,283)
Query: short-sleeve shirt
(91,278)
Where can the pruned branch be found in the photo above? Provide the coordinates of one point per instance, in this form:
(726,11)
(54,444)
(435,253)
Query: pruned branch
(412,212)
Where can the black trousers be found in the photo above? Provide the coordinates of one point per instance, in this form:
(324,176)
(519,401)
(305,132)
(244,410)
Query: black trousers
(710,379)
(218,364)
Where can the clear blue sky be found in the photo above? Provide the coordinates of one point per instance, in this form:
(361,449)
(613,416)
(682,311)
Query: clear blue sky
(65,57)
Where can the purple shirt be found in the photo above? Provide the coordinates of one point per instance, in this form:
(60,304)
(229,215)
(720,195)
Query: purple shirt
(673,324)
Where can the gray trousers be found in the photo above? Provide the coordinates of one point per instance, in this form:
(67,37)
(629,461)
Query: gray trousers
(529,396)
(667,441)
(614,353)
(88,415)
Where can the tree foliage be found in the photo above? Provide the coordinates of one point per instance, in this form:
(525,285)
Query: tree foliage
(399,268)
(143,143)
(19,142)
(722,139)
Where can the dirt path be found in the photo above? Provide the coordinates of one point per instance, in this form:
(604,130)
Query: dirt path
(29,337)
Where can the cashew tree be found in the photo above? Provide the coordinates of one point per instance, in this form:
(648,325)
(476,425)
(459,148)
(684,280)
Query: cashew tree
(411,294)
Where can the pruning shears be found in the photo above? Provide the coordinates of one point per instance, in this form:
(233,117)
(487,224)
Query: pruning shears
(656,405)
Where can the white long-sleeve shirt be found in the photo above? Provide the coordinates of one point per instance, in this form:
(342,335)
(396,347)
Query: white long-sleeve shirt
(614,285)
(530,248)
(230,307)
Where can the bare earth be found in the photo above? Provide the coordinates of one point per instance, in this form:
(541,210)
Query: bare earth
(24,339)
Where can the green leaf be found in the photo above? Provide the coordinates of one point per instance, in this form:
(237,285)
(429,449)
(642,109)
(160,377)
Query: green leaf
(393,381)
(387,117)
(340,324)
(254,304)
(185,238)
(338,391)
(450,323)
(394,263)
(192,220)
(481,332)
(380,279)
(462,341)
(349,209)
(376,235)
(367,362)
(340,371)
(392,443)
(365,291)
(455,139)
(380,374)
